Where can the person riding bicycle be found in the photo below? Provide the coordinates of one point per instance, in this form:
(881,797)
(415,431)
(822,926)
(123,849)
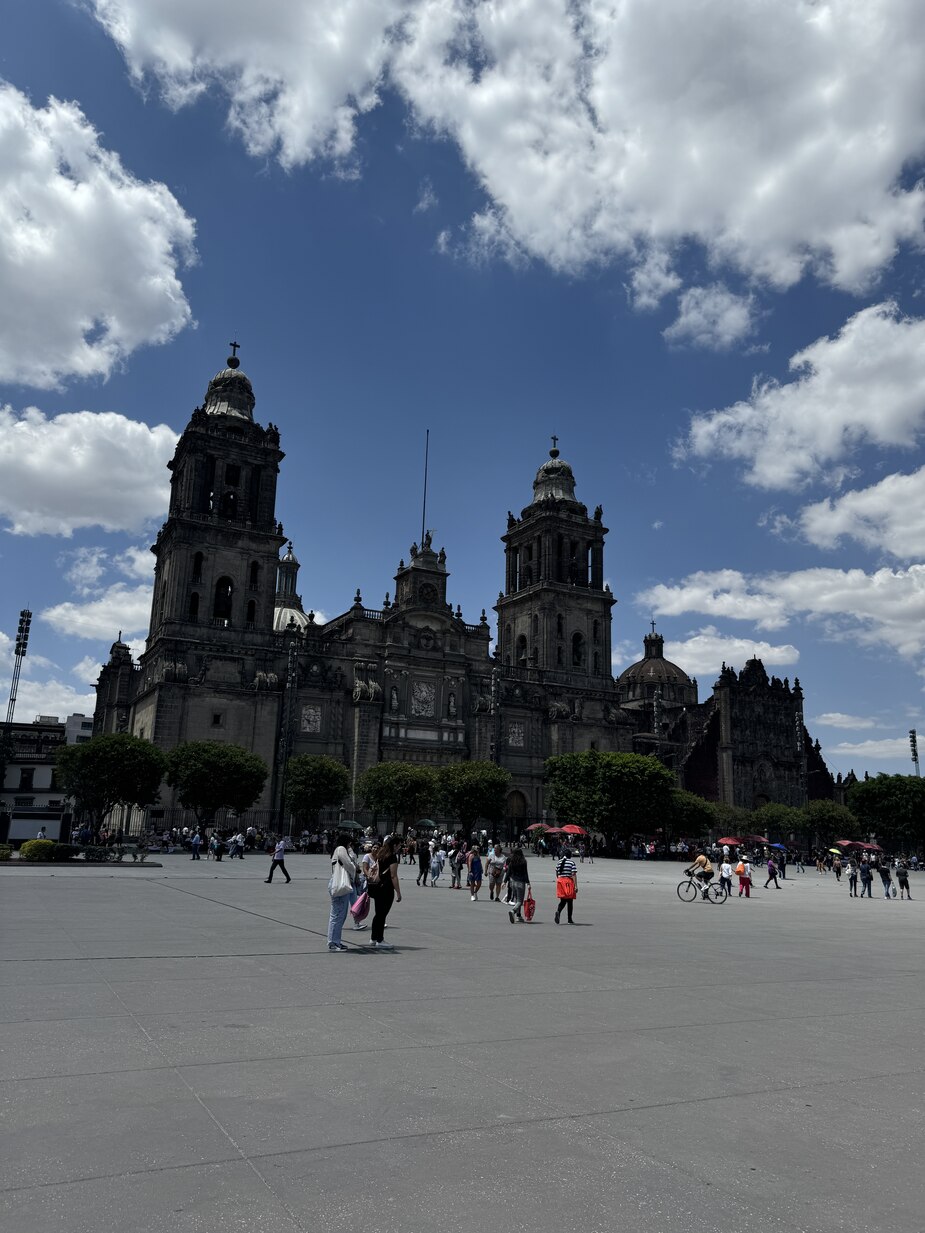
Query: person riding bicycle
(702,870)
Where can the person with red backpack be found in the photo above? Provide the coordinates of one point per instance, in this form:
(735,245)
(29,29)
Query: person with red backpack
(566,884)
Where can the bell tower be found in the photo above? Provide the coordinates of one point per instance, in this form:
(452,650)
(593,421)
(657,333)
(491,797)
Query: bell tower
(555,611)
(217,553)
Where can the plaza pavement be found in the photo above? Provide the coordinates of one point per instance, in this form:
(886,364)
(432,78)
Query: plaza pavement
(182,1054)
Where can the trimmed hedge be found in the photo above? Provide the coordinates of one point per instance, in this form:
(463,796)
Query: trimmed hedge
(37,850)
(64,852)
(6,852)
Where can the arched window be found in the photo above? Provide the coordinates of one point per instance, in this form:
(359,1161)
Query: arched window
(559,657)
(221,608)
(254,576)
(522,649)
(578,649)
(198,560)
(251,611)
(536,625)
(193,613)
(596,632)
(560,628)
(597,661)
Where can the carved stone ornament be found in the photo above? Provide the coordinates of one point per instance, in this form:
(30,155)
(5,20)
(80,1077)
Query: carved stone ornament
(311,718)
(423,699)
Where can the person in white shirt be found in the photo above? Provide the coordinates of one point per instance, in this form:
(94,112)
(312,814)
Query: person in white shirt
(725,873)
(279,859)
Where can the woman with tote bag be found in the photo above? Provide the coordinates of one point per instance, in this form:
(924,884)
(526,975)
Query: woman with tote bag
(340,889)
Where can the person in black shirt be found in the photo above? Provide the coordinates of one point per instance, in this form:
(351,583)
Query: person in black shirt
(566,884)
(384,889)
(423,861)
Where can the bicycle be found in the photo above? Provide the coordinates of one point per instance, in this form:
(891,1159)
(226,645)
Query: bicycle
(713,892)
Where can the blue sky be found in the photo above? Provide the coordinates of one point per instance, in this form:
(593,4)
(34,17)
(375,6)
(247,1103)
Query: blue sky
(687,239)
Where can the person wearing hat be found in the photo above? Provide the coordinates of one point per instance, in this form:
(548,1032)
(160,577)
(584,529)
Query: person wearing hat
(566,884)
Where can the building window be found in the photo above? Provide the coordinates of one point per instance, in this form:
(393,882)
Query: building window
(26,777)
(251,611)
(522,649)
(198,560)
(221,609)
(229,506)
(560,628)
(24,802)
(218,719)
(578,650)
(193,613)
(254,576)
(559,657)
(596,631)
(597,661)
(232,475)
(536,625)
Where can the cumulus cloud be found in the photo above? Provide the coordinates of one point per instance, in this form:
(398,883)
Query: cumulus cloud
(703,653)
(89,255)
(427,199)
(49,697)
(886,607)
(81,469)
(87,566)
(712,317)
(135,562)
(87,669)
(865,386)
(889,748)
(837,719)
(119,607)
(653,278)
(776,135)
(888,516)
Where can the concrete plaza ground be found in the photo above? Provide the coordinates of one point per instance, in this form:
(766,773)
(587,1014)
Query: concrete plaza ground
(182,1053)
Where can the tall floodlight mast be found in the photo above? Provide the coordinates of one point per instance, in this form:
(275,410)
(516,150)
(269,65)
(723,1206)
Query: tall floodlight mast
(22,646)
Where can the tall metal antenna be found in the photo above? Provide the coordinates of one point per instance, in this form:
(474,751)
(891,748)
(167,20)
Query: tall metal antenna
(424,507)
(22,646)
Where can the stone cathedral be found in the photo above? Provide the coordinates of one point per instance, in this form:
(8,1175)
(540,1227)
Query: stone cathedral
(231,654)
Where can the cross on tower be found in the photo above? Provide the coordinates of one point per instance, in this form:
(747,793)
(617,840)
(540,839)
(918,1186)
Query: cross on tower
(653,625)
(555,442)
(235,347)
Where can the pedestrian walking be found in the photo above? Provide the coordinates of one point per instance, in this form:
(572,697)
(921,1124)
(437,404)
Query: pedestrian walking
(886,879)
(772,874)
(566,885)
(384,890)
(340,889)
(423,861)
(867,877)
(837,868)
(436,865)
(518,884)
(457,861)
(279,861)
(902,877)
(496,860)
(852,878)
(782,865)
(725,874)
(474,880)
(195,845)
(744,870)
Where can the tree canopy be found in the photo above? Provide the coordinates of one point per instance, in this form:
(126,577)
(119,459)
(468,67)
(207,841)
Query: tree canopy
(473,790)
(209,776)
(691,816)
(616,793)
(400,790)
(314,781)
(892,807)
(110,770)
(782,820)
(823,821)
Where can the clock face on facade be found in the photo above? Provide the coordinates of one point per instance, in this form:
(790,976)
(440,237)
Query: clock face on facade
(428,593)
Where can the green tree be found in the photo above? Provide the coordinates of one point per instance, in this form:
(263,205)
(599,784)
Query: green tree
(617,793)
(210,776)
(116,769)
(732,819)
(472,790)
(314,781)
(892,807)
(826,821)
(782,820)
(400,790)
(691,816)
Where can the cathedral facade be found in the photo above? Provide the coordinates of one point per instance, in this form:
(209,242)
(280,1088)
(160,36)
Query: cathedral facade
(231,654)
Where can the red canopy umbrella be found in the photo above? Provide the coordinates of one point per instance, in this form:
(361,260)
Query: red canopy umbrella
(538,826)
(848,843)
(757,839)
(572,829)
(554,830)
(871,847)
(732,842)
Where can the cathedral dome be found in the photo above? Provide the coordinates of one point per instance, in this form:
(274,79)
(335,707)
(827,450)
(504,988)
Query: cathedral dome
(554,480)
(654,668)
(230,393)
(286,617)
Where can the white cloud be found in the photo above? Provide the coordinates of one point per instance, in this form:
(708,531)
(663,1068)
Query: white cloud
(119,607)
(50,697)
(890,748)
(427,200)
(889,515)
(774,135)
(883,608)
(864,386)
(136,562)
(624,653)
(87,669)
(653,279)
(837,719)
(81,469)
(89,256)
(712,317)
(703,653)
(87,567)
